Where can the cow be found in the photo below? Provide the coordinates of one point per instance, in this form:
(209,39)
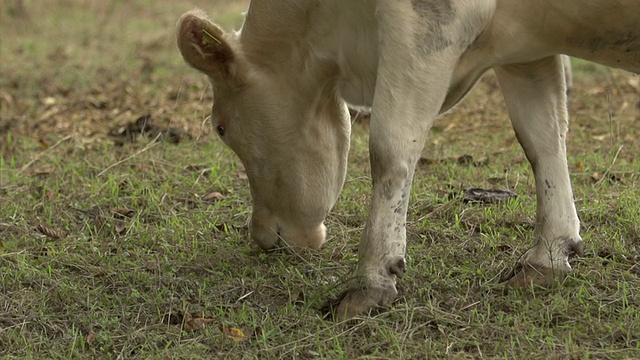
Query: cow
(282,83)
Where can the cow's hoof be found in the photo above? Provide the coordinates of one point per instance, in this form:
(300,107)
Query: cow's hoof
(524,275)
(360,301)
(529,270)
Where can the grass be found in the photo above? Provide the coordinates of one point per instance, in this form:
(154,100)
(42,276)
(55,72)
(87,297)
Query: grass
(111,251)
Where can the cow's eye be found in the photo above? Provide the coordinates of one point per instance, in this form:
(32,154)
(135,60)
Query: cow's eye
(220,130)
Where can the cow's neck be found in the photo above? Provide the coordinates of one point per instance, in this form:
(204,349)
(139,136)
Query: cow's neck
(322,45)
(272,32)
(280,41)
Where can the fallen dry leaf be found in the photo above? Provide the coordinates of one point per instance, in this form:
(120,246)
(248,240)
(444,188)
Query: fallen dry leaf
(51,233)
(478,195)
(234,333)
(122,213)
(152,265)
(143,125)
(613,178)
(2,249)
(337,256)
(120,228)
(192,324)
(464,159)
(214,196)
(91,338)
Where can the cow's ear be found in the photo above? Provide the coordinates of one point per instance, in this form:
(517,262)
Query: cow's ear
(206,47)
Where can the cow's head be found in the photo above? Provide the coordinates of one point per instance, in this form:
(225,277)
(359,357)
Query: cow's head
(292,136)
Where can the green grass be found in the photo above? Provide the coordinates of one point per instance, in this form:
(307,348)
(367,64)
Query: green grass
(119,286)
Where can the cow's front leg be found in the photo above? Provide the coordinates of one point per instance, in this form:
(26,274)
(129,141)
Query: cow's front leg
(410,89)
(536,99)
(382,248)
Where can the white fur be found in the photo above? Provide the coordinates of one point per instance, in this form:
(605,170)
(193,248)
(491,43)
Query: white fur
(297,63)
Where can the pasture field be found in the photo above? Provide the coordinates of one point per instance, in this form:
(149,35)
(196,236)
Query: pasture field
(123,219)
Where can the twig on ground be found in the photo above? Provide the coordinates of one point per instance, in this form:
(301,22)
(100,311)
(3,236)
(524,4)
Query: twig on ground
(149,146)
(39,156)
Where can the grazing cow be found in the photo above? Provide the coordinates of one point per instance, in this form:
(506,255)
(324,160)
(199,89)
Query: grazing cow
(282,83)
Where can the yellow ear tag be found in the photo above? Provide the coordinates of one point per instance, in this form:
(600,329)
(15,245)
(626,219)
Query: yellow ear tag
(208,39)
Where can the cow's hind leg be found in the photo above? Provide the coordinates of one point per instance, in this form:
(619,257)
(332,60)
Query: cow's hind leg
(536,100)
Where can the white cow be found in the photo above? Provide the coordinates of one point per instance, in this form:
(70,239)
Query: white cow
(282,83)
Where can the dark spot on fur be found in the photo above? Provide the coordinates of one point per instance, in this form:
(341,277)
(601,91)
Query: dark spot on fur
(387,189)
(435,15)
(627,42)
